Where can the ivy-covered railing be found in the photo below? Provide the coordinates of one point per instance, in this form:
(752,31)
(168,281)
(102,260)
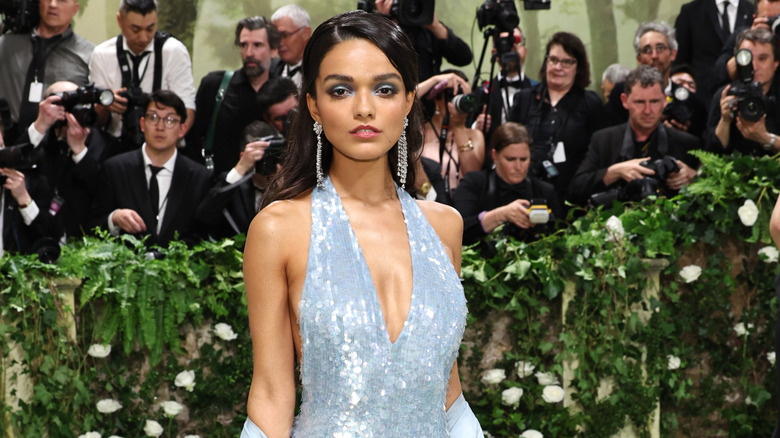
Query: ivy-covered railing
(160,347)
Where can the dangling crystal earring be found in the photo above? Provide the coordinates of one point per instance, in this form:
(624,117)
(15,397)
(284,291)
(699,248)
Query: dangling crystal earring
(402,155)
(320,176)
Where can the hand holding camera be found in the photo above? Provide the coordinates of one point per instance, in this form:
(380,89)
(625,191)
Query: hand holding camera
(13,181)
(252,153)
(76,135)
(49,113)
(516,212)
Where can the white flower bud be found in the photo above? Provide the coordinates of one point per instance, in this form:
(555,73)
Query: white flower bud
(98,350)
(511,396)
(153,428)
(108,406)
(748,213)
(546,378)
(770,252)
(494,376)
(224,332)
(673,362)
(690,273)
(553,394)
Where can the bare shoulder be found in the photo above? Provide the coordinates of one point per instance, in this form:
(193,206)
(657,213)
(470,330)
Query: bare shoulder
(279,223)
(446,221)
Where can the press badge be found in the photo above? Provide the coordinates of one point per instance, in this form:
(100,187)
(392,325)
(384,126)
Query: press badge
(559,155)
(36,92)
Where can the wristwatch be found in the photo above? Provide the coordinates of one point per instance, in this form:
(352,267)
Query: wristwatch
(771,145)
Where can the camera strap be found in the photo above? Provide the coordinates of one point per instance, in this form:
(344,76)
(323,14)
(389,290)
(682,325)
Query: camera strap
(220,96)
(42,48)
(628,148)
(124,65)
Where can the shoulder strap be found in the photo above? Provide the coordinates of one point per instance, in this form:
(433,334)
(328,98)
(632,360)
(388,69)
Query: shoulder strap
(207,154)
(124,66)
(159,41)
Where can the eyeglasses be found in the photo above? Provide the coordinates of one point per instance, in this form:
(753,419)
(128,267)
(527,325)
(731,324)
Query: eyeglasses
(552,61)
(154,119)
(648,49)
(285,35)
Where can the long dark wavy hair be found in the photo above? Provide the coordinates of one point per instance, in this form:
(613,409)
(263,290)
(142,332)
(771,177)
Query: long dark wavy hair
(298,167)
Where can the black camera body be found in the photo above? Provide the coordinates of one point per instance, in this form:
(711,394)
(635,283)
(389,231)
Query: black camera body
(499,13)
(132,137)
(81,102)
(774,24)
(407,12)
(463,103)
(272,155)
(641,188)
(17,157)
(751,103)
(19,16)
(679,107)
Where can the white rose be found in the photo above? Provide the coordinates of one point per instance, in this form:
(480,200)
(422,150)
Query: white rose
(546,378)
(531,433)
(552,394)
(494,376)
(511,396)
(739,329)
(771,357)
(674,362)
(99,350)
(524,369)
(770,252)
(690,273)
(224,332)
(108,406)
(153,428)
(748,213)
(90,435)
(172,408)
(615,228)
(186,380)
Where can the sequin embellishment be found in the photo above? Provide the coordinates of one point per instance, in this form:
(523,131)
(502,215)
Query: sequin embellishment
(356,383)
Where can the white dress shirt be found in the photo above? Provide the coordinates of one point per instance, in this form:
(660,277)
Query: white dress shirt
(105,72)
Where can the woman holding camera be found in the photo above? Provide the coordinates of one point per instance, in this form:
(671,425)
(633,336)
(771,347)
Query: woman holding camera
(504,195)
(559,113)
(448,141)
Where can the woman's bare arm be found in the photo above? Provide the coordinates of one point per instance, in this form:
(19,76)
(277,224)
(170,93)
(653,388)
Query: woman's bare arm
(271,401)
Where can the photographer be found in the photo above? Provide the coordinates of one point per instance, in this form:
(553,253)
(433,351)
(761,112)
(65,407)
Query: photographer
(233,202)
(432,42)
(621,154)
(559,113)
(275,100)
(448,142)
(489,198)
(24,227)
(728,128)
(139,60)
(31,61)
(68,155)
(504,86)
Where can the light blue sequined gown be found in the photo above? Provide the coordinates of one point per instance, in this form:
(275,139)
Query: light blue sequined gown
(356,383)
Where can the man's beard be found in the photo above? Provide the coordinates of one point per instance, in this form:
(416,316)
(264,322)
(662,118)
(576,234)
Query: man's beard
(255,70)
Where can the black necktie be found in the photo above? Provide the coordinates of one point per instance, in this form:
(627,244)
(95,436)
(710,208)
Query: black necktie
(137,62)
(517,83)
(292,70)
(154,194)
(724,19)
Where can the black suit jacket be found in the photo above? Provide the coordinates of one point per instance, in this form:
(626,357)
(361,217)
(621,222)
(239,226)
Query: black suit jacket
(123,184)
(604,151)
(700,38)
(236,203)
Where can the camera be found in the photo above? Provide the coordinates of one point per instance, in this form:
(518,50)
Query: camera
(407,12)
(679,104)
(499,13)
(463,103)
(19,16)
(774,23)
(17,157)
(532,5)
(751,102)
(641,188)
(272,156)
(132,137)
(80,102)
(539,212)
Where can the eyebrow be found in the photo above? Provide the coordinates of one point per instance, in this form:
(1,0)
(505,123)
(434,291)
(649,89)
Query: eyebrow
(377,78)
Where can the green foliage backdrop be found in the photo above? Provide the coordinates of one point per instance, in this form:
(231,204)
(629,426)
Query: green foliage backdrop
(701,348)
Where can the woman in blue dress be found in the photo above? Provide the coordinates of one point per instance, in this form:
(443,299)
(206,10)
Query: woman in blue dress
(344,271)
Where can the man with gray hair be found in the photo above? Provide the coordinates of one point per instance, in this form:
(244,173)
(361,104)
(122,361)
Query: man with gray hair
(734,125)
(294,27)
(620,154)
(612,75)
